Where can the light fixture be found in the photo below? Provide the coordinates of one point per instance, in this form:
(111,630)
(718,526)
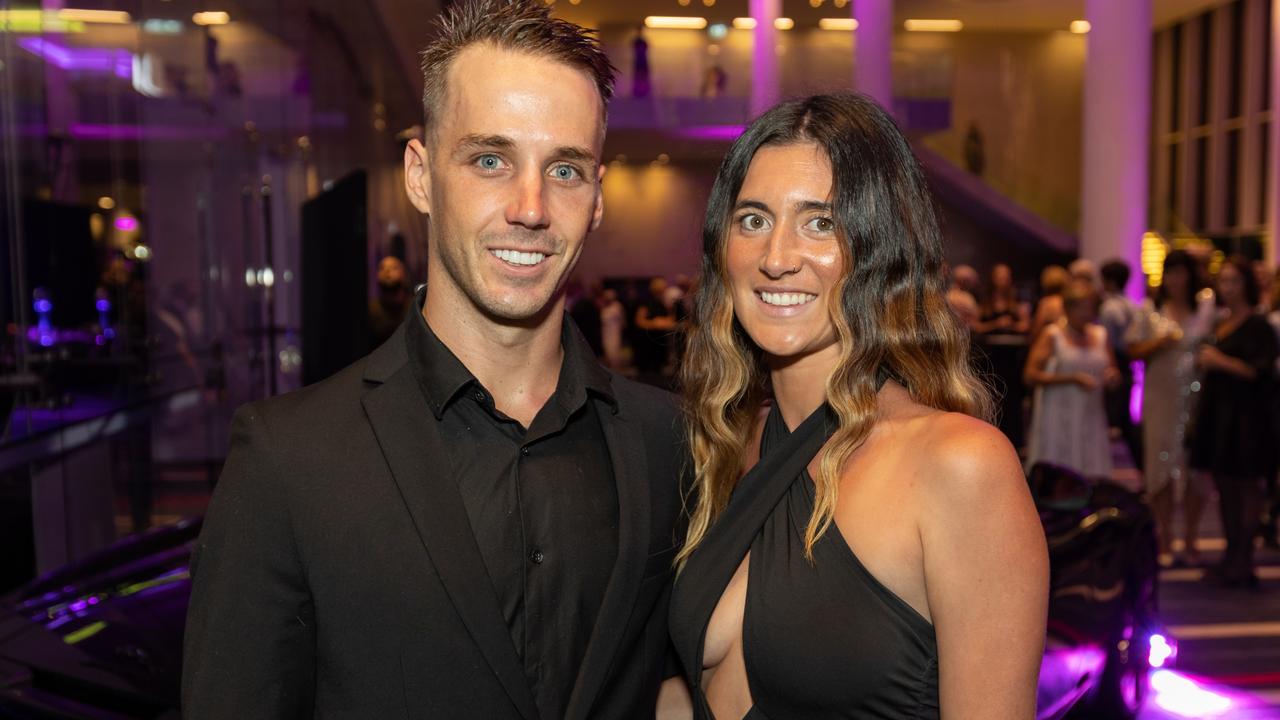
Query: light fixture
(160,26)
(663,159)
(709,3)
(36,21)
(211,18)
(744,23)
(671,22)
(114,17)
(106,203)
(1080,27)
(840,3)
(917,25)
(784,23)
(838,24)
(815,3)
(717,31)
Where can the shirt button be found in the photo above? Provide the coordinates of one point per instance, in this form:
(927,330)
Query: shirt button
(524,451)
(536,557)
(479,396)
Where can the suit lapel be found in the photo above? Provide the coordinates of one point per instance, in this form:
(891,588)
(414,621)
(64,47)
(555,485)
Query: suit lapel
(410,441)
(630,472)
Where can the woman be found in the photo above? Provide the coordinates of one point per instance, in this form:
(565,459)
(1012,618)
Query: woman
(1068,366)
(1232,439)
(1053,281)
(1003,324)
(1165,337)
(854,570)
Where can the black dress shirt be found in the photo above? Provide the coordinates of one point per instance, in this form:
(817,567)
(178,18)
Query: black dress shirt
(541,501)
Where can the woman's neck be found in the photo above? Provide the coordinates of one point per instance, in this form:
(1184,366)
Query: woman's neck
(800,383)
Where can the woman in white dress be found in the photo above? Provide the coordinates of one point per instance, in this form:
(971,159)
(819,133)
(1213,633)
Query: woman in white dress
(613,320)
(1069,364)
(1165,337)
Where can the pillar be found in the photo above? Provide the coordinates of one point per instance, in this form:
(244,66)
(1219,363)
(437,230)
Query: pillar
(873,50)
(764,56)
(1117,142)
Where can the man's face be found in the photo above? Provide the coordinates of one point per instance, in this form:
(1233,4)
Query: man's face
(511,179)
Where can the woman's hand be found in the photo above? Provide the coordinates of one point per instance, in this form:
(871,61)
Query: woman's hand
(1210,358)
(1085,380)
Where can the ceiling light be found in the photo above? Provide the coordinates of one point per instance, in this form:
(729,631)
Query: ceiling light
(838,24)
(211,18)
(933,25)
(669,22)
(117,17)
(1080,27)
(744,23)
(784,23)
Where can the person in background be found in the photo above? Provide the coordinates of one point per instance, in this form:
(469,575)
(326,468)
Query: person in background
(1233,440)
(1084,270)
(1117,314)
(387,310)
(1069,364)
(613,325)
(1165,336)
(960,296)
(1270,306)
(1053,280)
(586,315)
(655,322)
(1003,322)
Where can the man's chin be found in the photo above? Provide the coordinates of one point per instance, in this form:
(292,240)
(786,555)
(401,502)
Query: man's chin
(523,308)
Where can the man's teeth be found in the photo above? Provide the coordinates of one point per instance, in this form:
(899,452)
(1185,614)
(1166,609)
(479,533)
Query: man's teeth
(519,258)
(786,299)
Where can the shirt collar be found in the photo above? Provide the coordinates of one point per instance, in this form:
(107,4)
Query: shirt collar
(443,377)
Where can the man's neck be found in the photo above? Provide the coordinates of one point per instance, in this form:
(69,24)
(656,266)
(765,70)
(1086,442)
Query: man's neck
(518,364)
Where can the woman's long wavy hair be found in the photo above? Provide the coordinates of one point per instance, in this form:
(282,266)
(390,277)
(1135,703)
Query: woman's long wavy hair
(889,310)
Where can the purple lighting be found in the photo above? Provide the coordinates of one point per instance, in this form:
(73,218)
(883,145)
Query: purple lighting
(1163,651)
(126,223)
(1183,697)
(727,133)
(105,60)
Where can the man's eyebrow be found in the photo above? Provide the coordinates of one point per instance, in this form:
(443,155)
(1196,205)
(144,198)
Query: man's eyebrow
(577,154)
(485,142)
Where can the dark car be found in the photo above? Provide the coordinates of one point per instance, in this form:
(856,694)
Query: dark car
(102,638)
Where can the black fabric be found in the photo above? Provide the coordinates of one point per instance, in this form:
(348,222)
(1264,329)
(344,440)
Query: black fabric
(541,502)
(819,640)
(1232,434)
(337,574)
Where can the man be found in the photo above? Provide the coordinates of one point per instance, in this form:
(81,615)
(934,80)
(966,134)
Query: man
(387,311)
(477,520)
(964,280)
(1116,313)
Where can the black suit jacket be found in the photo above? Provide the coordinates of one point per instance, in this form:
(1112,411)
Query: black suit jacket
(337,575)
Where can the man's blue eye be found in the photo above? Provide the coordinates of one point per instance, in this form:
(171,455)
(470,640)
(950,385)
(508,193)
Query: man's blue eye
(489,162)
(565,172)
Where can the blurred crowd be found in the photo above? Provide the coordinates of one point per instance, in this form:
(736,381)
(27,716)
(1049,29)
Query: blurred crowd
(1187,381)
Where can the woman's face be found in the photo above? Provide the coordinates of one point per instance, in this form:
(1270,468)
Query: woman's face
(1175,282)
(783,254)
(1001,276)
(1230,285)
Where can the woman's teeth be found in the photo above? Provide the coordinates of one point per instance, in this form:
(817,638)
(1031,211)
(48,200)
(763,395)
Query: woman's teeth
(519,258)
(786,299)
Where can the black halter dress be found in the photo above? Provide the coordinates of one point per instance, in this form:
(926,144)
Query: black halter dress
(822,639)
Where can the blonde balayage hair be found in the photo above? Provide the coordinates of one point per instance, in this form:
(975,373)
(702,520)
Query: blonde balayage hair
(889,310)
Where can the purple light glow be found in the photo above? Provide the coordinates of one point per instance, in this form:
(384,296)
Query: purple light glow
(1183,697)
(105,60)
(1135,394)
(103,305)
(727,133)
(87,131)
(126,223)
(1163,652)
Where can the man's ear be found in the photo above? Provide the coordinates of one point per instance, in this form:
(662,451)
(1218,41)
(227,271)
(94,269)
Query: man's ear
(598,214)
(417,178)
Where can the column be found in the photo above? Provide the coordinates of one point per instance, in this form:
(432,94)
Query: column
(1117,142)
(764,56)
(873,50)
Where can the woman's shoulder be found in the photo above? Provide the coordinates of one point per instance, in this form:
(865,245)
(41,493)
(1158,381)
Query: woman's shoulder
(951,452)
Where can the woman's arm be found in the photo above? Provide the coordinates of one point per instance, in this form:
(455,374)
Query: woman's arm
(1035,372)
(986,568)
